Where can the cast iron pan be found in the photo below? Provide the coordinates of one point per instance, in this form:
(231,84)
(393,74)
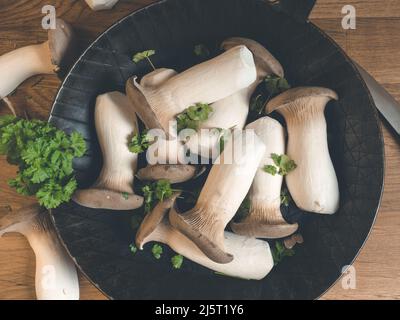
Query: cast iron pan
(99,239)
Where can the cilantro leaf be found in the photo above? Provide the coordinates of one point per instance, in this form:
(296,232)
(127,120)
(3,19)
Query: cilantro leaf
(140,142)
(44,158)
(133,248)
(193,116)
(177,261)
(275,84)
(125,195)
(157,251)
(144,55)
(272,170)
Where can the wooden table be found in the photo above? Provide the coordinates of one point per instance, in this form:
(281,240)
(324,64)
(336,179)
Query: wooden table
(375,44)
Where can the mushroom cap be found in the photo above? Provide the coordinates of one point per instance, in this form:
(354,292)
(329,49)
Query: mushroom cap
(153,219)
(107,199)
(61,42)
(143,109)
(175,173)
(258,229)
(265,62)
(206,244)
(10,219)
(291,95)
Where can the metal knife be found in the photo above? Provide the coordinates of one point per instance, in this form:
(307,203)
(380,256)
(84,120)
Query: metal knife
(386,104)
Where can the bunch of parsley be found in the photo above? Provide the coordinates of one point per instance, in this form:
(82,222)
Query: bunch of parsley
(44,157)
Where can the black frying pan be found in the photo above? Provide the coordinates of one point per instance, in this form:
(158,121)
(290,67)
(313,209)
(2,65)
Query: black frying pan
(99,239)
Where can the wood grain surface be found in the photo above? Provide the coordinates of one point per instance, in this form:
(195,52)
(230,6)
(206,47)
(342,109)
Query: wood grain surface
(375,44)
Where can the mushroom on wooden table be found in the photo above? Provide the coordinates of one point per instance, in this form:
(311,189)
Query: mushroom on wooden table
(115,122)
(56,276)
(313,185)
(46,58)
(253,258)
(265,219)
(98,5)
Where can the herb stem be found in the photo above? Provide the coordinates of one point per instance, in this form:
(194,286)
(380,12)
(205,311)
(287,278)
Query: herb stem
(151,63)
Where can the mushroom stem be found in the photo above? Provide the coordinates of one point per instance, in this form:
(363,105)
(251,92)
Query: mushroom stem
(265,219)
(313,185)
(253,259)
(56,277)
(233,110)
(115,122)
(227,185)
(45,58)
(207,82)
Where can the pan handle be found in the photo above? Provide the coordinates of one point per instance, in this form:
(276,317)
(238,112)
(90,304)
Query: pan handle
(297,9)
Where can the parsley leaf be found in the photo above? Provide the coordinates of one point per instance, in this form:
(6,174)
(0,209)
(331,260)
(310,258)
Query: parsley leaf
(44,158)
(177,261)
(285,197)
(144,55)
(156,191)
(275,84)
(125,195)
(283,165)
(202,51)
(279,252)
(140,142)
(133,248)
(157,251)
(193,116)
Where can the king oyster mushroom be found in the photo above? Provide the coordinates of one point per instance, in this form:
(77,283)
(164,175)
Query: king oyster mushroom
(265,218)
(313,185)
(46,58)
(56,277)
(115,122)
(253,259)
(174,173)
(227,185)
(207,82)
(98,5)
(232,111)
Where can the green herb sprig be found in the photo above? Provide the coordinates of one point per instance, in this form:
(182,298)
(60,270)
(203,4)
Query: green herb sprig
(44,157)
(157,251)
(177,261)
(201,51)
(279,252)
(144,55)
(140,142)
(285,197)
(193,116)
(156,191)
(283,165)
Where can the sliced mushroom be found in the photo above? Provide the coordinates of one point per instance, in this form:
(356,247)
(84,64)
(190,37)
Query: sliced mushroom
(313,185)
(265,219)
(56,277)
(253,259)
(227,185)
(98,5)
(207,82)
(115,122)
(173,173)
(45,58)
(232,111)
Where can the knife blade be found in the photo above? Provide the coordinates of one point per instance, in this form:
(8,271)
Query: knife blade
(384,101)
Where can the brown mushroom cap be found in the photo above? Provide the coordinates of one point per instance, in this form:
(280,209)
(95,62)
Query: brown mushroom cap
(209,244)
(61,42)
(258,229)
(153,219)
(143,109)
(291,95)
(10,219)
(265,62)
(175,173)
(107,199)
